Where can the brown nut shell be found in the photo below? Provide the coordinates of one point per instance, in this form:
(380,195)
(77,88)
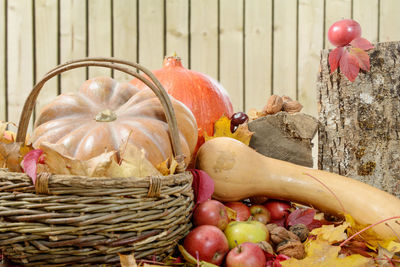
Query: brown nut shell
(292,106)
(274,105)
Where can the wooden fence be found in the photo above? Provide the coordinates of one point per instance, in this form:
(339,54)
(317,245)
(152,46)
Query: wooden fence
(254,47)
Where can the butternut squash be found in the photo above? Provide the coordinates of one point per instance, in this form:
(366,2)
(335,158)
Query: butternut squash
(240,172)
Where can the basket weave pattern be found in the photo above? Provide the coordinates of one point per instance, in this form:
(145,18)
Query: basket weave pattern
(68,220)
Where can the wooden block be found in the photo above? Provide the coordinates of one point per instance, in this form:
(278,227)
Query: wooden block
(285,136)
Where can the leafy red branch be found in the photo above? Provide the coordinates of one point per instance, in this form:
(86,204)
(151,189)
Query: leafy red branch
(351,58)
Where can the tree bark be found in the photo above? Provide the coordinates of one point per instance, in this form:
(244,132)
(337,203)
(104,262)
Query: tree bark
(359,131)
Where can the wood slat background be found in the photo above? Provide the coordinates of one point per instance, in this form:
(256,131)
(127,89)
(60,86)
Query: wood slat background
(254,47)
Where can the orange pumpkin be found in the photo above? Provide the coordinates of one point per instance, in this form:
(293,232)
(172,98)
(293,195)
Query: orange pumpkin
(205,97)
(104,114)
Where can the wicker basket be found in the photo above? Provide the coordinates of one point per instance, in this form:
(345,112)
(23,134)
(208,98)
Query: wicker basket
(67,220)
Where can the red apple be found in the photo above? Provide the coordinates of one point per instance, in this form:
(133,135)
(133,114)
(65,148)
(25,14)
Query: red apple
(278,209)
(344,31)
(260,213)
(211,212)
(209,242)
(242,210)
(246,254)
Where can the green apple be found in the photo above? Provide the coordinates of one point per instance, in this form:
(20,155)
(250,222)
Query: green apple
(247,231)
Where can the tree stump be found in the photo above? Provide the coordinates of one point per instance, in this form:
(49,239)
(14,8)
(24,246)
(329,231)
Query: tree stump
(359,130)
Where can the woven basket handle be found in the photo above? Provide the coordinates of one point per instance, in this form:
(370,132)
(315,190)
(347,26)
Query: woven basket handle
(117,64)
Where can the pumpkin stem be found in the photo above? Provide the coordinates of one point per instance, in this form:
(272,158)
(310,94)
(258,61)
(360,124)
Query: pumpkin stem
(172,61)
(106,115)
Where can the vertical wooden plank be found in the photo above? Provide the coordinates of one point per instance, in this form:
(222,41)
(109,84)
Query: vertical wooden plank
(335,10)
(125,37)
(3,97)
(365,12)
(231,50)
(72,41)
(258,40)
(151,33)
(389,21)
(177,35)
(284,53)
(204,37)
(100,38)
(310,43)
(20,56)
(46,48)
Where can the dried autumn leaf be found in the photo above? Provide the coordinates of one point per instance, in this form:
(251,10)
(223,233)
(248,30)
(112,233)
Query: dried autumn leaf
(190,259)
(127,260)
(10,156)
(6,136)
(167,167)
(349,65)
(330,233)
(222,128)
(334,58)
(369,236)
(30,162)
(58,163)
(321,253)
(362,43)
(133,164)
(203,186)
(303,216)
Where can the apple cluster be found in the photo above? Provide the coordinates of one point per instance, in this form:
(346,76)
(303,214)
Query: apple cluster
(244,233)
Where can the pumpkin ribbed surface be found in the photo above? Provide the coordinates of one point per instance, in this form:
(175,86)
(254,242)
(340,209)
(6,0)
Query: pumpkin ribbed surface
(104,114)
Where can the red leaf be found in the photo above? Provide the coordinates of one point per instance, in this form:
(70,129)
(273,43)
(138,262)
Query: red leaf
(361,43)
(362,57)
(349,65)
(334,58)
(30,161)
(304,216)
(314,224)
(203,186)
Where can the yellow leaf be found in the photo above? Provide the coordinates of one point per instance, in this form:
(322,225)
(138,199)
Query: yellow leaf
(190,259)
(330,233)
(368,236)
(6,136)
(321,253)
(392,246)
(222,128)
(133,164)
(10,156)
(127,260)
(166,167)
(163,167)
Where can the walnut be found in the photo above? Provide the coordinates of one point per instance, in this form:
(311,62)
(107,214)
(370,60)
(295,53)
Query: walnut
(274,105)
(280,234)
(292,106)
(300,230)
(264,245)
(291,248)
(271,227)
